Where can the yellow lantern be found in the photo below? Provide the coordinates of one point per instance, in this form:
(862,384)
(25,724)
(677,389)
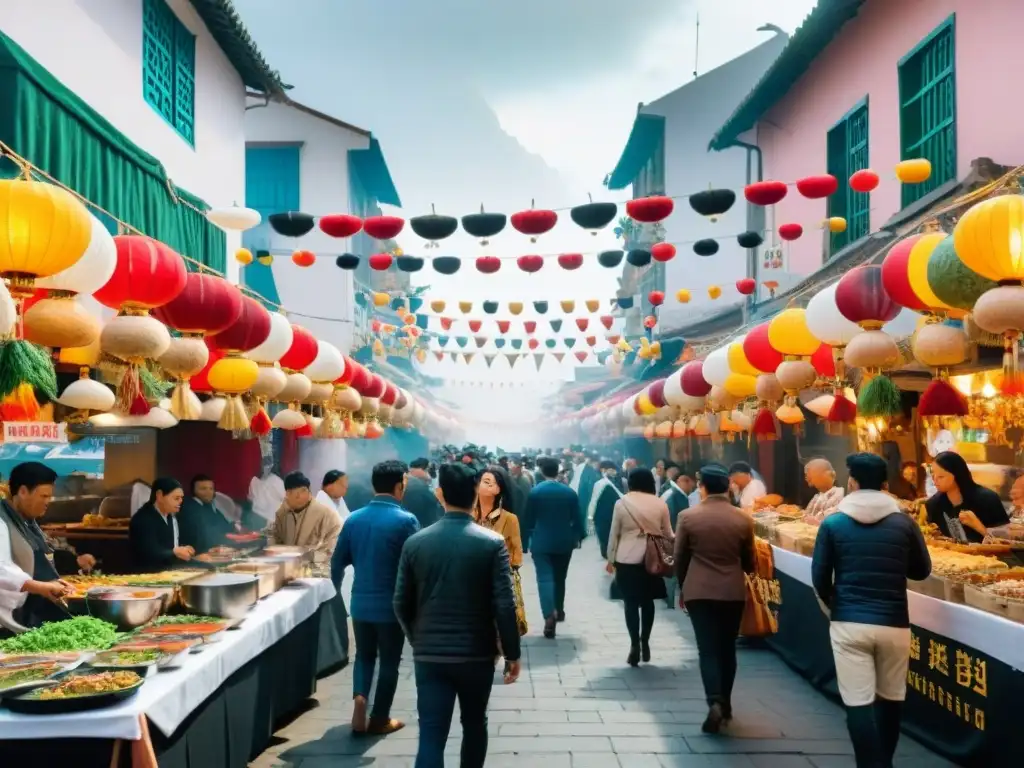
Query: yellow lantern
(989,238)
(714,291)
(81,356)
(593,305)
(645,406)
(465,307)
(789,335)
(568,306)
(515,307)
(917,274)
(381,299)
(265,259)
(738,362)
(740,386)
(836,224)
(683,296)
(243,256)
(232,375)
(914,171)
(437,305)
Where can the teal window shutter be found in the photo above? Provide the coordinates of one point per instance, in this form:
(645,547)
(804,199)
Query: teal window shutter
(847,147)
(272,179)
(927,93)
(169,67)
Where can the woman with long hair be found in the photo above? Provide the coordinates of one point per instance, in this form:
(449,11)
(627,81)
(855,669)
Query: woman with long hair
(962,509)
(637,514)
(494,508)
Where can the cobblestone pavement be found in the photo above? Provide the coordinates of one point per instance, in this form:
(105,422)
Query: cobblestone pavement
(577,704)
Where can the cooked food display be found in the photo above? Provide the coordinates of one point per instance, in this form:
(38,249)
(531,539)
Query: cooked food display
(27,674)
(171,645)
(82,633)
(75,686)
(161,579)
(188,618)
(134,658)
(971,549)
(1010,588)
(100,521)
(26,659)
(947,562)
(170,630)
(245,537)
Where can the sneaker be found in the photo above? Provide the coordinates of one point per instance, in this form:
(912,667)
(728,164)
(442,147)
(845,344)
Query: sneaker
(713,722)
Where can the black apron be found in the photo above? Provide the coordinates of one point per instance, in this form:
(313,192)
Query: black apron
(37,609)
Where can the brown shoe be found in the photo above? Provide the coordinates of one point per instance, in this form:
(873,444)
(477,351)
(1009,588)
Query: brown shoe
(359,715)
(384,727)
(549,625)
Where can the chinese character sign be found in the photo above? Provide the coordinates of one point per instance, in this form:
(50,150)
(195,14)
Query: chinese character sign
(34,432)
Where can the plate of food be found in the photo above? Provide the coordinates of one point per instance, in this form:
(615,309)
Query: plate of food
(28,659)
(76,692)
(170,645)
(245,538)
(16,679)
(129,659)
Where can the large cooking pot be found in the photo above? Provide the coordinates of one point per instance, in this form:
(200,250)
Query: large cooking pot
(291,565)
(271,575)
(227,595)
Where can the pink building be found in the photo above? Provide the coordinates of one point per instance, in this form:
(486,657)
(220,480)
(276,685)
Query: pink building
(867,83)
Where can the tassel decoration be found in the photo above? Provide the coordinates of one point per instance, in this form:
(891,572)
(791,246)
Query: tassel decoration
(765,427)
(130,398)
(942,399)
(304,431)
(843,410)
(25,363)
(1013,381)
(183,402)
(880,397)
(20,405)
(139,405)
(234,418)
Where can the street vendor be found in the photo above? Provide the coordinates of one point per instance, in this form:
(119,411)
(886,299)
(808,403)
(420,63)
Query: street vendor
(30,587)
(821,476)
(304,522)
(201,525)
(154,534)
(962,509)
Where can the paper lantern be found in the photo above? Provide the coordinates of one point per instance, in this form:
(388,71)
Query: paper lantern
(656,298)
(484,225)
(790,232)
(862,298)
(534,222)
(340,225)
(244,256)
(594,216)
(758,350)
(765,192)
(826,322)
(817,187)
(639,257)
(148,274)
(952,282)
(914,171)
(677,397)
(706,247)
(291,224)
(738,362)
(85,395)
(434,227)
(649,210)
(714,292)
(746,286)
(303,258)
(749,239)
(896,277)
(381,299)
(824,362)
(650,322)
(683,296)
(530,263)
(592,305)
(207,305)
(248,331)
(788,333)
(835,224)
(515,307)
(716,367)
(381,262)
(235,218)
(864,180)
(570,261)
(488,265)
(712,203)
(610,259)
(383,227)
(446,265)
(940,347)
(740,386)
(91,271)
(663,252)
(59,321)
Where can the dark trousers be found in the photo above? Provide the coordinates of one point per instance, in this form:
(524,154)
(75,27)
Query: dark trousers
(383,640)
(639,619)
(551,573)
(716,625)
(437,688)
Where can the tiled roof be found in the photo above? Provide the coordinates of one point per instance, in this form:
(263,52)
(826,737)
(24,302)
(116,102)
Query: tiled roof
(230,33)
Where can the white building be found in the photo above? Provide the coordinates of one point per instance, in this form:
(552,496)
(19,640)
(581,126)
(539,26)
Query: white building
(116,98)
(299,159)
(667,154)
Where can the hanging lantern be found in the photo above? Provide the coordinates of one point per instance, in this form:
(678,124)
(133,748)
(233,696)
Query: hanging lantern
(650,210)
(790,232)
(570,261)
(381,299)
(244,256)
(381,262)
(234,218)
(264,258)
(234,374)
(534,222)
(446,265)
(713,203)
(940,347)
(291,224)
(515,307)
(271,380)
(749,239)
(817,187)
(861,298)
(609,259)
(683,296)
(409,263)
(340,225)
(746,286)
(484,226)
(896,275)
(650,322)
(864,180)
(530,264)
(835,224)
(383,227)
(765,193)
(326,368)
(656,298)
(789,335)
(707,247)
(639,257)
(714,292)
(434,227)
(594,216)
(302,258)
(488,265)
(347,261)
(915,171)
(301,353)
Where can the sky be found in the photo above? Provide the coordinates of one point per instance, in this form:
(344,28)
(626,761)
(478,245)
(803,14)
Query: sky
(504,104)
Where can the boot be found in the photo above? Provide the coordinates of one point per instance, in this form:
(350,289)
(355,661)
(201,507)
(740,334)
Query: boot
(713,722)
(645,651)
(867,743)
(549,625)
(634,656)
(889,715)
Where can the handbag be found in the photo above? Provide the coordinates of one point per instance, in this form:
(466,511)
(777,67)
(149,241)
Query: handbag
(517,591)
(659,554)
(758,618)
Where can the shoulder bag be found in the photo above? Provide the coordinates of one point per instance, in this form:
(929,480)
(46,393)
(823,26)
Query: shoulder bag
(659,556)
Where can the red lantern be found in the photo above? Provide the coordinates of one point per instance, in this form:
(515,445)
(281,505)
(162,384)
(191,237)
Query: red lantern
(607,321)
(533,343)
(656,298)
(582,323)
(148,274)
(503,326)
(650,322)
(383,227)
(816,187)
(824,362)
(302,352)
(765,192)
(649,210)
(896,277)
(390,394)
(570,261)
(340,225)
(861,297)
(346,376)
(612,338)
(474,325)
(208,304)
(663,252)
(529,326)
(303,258)
(790,231)
(200,382)
(864,180)
(360,377)
(746,286)
(692,379)
(759,351)
(530,263)
(488,264)
(375,388)
(250,330)
(656,393)
(534,222)
(381,261)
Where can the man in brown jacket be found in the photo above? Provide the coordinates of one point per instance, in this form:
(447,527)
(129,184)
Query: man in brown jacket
(714,549)
(304,522)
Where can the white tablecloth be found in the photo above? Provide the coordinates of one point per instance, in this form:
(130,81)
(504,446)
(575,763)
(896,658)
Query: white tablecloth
(169,696)
(992,635)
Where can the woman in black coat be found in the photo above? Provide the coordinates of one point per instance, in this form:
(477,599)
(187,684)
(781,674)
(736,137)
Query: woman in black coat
(962,509)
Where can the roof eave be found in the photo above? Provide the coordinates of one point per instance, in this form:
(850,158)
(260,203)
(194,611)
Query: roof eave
(626,168)
(232,37)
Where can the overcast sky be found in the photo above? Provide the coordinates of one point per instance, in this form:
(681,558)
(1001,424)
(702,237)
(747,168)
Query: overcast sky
(502,102)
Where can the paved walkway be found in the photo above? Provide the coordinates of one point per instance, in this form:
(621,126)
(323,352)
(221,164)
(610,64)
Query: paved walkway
(577,704)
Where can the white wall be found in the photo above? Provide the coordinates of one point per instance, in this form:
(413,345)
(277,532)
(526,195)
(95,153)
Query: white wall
(94,47)
(322,290)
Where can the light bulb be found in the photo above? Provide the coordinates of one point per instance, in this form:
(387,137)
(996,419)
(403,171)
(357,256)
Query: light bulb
(988,390)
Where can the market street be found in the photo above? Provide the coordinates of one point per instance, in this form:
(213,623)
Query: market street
(577,704)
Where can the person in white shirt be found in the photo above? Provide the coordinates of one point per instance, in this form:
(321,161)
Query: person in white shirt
(749,488)
(822,478)
(332,492)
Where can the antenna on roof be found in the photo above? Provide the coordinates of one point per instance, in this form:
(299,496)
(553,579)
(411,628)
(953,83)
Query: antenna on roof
(696,49)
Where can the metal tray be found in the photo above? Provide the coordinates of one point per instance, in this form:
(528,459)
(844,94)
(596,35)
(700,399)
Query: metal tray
(25,702)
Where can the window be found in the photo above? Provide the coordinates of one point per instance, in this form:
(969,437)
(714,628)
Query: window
(927,82)
(848,153)
(169,67)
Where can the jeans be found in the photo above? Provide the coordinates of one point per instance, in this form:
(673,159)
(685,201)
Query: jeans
(437,687)
(716,624)
(551,573)
(373,639)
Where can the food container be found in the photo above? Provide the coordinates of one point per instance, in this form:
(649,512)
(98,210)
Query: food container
(118,607)
(227,595)
(271,575)
(291,565)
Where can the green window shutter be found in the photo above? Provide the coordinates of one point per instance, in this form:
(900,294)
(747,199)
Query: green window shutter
(169,67)
(847,147)
(927,88)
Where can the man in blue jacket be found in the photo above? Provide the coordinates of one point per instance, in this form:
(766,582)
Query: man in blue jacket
(371,541)
(863,556)
(553,526)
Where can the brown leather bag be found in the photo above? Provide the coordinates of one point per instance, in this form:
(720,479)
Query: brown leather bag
(758,618)
(659,555)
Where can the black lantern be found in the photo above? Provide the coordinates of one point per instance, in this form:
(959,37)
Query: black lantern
(540,307)
(707,247)
(490,307)
(446,265)
(434,227)
(713,202)
(749,239)
(594,216)
(556,325)
(291,224)
(638,257)
(347,261)
(609,259)
(484,225)
(410,263)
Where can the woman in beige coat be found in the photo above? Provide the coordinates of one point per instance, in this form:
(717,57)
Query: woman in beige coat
(638,513)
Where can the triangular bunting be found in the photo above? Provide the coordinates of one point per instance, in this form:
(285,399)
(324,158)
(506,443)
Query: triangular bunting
(439,355)
(530,326)
(446,323)
(443,340)
(466,307)
(462,341)
(568,306)
(559,356)
(480,341)
(499,343)
(591,341)
(468,356)
(582,323)
(593,305)
(538,359)
(517,343)
(569,343)
(503,325)
(513,358)
(454,356)
(474,325)
(556,325)
(581,356)
(489,359)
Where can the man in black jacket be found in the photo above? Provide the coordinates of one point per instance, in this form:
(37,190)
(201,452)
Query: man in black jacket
(419,497)
(455,603)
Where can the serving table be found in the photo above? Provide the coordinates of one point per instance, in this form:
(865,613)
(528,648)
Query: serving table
(966,675)
(218,708)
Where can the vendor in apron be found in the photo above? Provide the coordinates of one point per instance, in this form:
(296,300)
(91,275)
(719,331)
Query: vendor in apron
(30,588)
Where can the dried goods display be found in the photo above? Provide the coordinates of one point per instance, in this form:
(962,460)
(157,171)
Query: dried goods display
(946,562)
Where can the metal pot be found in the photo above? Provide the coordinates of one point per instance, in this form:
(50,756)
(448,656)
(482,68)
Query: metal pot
(271,576)
(227,595)
(291,564)
(126,613)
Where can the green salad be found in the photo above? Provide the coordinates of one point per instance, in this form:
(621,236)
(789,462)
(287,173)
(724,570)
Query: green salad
(126,658)
(82,633)
(162,621)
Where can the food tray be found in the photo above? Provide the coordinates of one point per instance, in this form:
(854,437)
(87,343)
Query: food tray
(102,661)
(933,586)
(45,676)
(954,590)
(28,703)
(979,598)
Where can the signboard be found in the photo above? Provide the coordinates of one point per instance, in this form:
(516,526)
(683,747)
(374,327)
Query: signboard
(35,432)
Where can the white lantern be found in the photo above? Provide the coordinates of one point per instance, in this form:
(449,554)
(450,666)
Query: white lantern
(277,344)
(716,367)
(826,322)
(289,420)
(327,366)
(85,394)
(674,395)
(92,271)
(235,218)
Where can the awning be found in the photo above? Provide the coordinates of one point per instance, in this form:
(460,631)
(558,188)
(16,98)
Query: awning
(648,132)
(372,170)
